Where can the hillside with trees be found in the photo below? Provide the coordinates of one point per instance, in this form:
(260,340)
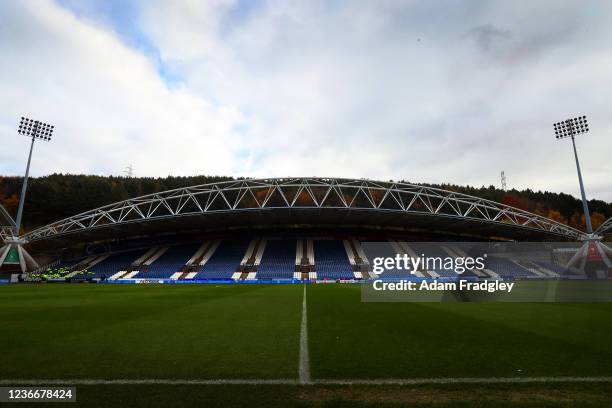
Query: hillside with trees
(58,196)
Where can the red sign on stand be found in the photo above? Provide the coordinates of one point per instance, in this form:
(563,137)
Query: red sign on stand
(593,254)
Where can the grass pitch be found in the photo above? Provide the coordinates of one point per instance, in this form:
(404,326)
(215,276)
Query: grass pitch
(203,332)
(170,331)
(350,339)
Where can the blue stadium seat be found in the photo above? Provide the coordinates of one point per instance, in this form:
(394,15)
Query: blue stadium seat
(556,268)
(115,263)
(385,249)
(172,261)
(278,261)
(331,261)
(224,262)
(433,251)
(506,268)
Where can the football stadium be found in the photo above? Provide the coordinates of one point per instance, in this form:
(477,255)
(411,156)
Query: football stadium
(287,230)
(218,292)
(305,203)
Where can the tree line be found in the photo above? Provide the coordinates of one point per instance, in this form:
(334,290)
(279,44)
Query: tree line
(58,196)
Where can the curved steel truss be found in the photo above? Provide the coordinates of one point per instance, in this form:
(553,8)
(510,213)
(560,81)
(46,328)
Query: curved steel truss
(7,224)
(300,193)
(6,232)
(605,228)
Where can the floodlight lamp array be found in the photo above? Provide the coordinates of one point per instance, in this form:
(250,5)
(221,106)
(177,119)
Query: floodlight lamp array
(36,129)
(571,127)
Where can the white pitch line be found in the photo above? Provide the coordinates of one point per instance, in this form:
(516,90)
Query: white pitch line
(287,381)
(150,381)
(464,380)
(304,365)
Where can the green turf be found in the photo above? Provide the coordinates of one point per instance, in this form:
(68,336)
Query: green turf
(252,331)
(141,331)
(350,339)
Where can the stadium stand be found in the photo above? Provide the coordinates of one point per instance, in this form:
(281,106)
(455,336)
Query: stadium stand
(278,261)
(556,268)
(299,258)
(67,264)
(436,252)
(167,264)
(114,263)
(359,262)
(458,252)
(224,261)
(389,250)
(81,263)
(402,247)
(251,260)
(506,268)
(332,261)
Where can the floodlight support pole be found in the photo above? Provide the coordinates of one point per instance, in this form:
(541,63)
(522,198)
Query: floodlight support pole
(585,205)
(24,187)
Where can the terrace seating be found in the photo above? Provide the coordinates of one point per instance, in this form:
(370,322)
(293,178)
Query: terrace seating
(506,268)
(169,263)
(224,262)
(114,263)
(432,251)
(68,264)
(278,260)
(385,249)
(556,268)
(281,259)
(332,261)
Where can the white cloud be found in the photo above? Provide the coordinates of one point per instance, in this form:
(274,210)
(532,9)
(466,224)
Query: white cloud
(428,92)
(108,103)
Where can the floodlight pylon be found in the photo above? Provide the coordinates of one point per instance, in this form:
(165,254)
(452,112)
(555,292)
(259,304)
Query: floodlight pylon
(12,252)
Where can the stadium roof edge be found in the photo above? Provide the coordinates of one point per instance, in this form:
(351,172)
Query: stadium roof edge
(303,193)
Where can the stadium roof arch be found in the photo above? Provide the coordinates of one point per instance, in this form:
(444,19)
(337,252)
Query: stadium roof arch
(7,224)
(606,227)
(305,200)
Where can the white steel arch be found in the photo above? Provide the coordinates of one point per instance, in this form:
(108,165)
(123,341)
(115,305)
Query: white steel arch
(7,224)
(605,228)
(302,193)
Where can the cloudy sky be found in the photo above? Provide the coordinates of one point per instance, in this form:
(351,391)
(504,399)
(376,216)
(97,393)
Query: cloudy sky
(426,91)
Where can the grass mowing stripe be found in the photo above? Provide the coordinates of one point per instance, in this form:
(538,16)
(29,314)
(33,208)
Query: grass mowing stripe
(304,370)
(113,331)
(285,381)
(470,340)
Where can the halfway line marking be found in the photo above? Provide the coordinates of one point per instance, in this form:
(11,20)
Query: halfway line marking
(304,365)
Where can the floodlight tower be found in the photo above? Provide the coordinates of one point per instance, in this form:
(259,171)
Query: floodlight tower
(12,251)
(35,130)
(592,250)
(571,128)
